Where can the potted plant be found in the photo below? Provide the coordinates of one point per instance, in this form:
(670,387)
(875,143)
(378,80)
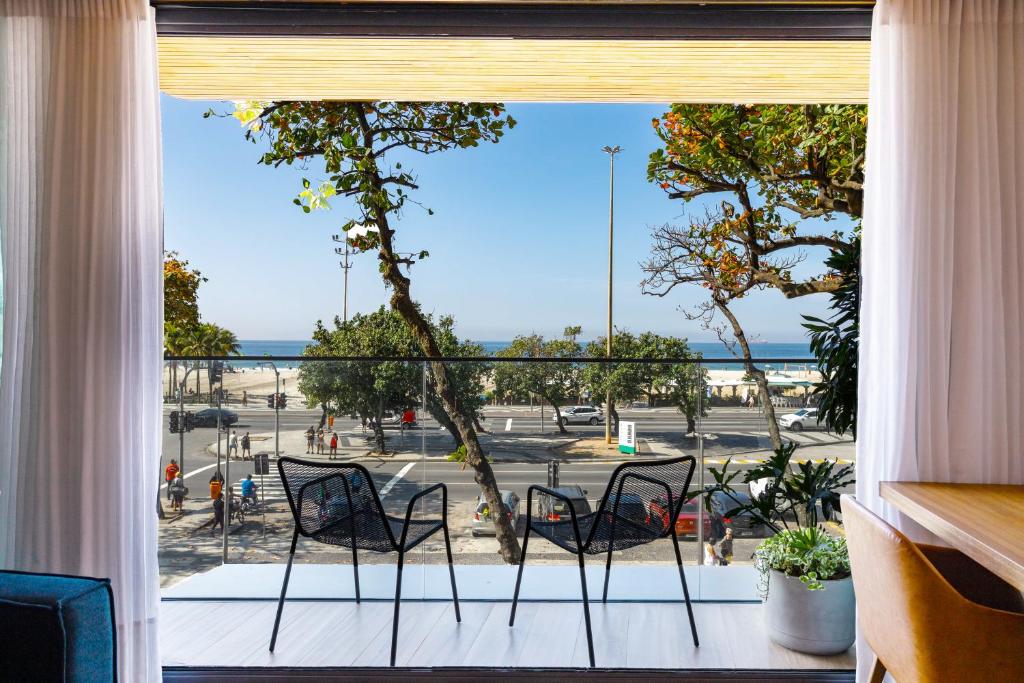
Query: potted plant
(804,571)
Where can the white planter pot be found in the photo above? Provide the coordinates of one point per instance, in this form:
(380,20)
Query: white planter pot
(816,622)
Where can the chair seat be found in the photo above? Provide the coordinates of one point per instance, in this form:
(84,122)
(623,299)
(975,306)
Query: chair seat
(628,534)
(373,536)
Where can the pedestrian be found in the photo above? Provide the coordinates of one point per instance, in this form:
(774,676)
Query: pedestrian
(320,441)
(178,491)
(170,472)
(309,439)
(334,445)
(249,489)
(246,447)
(218,513)
(725,549)
(330,423)
(233,445)
(710,558)
(216,484)
(245,398)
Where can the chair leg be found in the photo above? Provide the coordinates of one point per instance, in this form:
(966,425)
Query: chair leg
(877,673)
(686,591)
(355,569)
(519,576)
(284,589)
(398,599)
(586,609)
(607,573)
(451,572)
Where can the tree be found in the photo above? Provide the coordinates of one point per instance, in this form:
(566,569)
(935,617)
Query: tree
(834,342)
(554,382)
(181,307)
(782,173)
(213,340)
(353,140)
(677,383)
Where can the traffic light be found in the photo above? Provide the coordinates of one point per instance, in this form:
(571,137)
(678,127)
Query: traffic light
(175,427)
(190,421)
(282,401)
(270,401)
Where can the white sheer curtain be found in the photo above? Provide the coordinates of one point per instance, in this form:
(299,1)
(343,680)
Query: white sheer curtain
(942,318)
(82,252)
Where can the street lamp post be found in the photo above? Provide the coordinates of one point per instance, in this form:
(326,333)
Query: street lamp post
(611,152)
(345,265)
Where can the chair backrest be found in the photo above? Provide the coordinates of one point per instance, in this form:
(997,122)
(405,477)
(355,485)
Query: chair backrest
(636,485)
(324,495)
(917,623)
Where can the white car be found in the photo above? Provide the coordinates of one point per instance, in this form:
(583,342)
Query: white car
(580,415)
(805,418)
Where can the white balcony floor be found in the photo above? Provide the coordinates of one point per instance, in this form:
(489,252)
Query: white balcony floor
(224,617)
(546,634)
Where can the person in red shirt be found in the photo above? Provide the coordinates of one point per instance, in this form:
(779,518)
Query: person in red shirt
(334,445)
(170,472)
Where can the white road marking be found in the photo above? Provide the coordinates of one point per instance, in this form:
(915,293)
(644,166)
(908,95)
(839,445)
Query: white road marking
(194,473)
(508,425)
(394,480)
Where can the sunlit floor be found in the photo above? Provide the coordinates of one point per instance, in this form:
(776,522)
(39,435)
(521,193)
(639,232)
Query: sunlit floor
(210,633)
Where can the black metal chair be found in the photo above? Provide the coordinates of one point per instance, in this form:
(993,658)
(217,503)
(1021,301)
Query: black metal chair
(337,504)
(624,519)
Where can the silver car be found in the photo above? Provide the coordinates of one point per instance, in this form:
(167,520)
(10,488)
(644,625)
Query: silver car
(483,522)
(805,418)
(580,415)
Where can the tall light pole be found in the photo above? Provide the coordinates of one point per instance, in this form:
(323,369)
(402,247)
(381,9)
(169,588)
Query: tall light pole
(611,152)
(345,265)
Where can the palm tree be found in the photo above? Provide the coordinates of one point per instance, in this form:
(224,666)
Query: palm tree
(216,341)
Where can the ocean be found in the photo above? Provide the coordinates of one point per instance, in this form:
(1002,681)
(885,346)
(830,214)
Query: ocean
(710,350)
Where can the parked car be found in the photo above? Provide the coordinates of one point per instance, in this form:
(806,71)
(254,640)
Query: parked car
(631,507)
(207,417)
(555,509)
(743,525)
(805,418)
(483,519)
(686,521)
(580,415)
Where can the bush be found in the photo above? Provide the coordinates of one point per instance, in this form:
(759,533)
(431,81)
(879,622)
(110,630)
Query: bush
(808,554)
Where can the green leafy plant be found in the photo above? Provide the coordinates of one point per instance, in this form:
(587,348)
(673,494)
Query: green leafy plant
(809,554)
(794,498)
(794,495)
(834,343)
(459,455)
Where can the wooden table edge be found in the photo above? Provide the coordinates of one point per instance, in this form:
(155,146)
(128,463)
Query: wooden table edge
(1005,568)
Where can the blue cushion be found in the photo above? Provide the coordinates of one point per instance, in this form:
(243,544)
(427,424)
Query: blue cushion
(56,628)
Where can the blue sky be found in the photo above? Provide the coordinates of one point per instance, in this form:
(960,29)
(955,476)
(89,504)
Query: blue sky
(517,242)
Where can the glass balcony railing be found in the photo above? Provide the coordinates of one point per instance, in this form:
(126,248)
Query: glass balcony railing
(537,422)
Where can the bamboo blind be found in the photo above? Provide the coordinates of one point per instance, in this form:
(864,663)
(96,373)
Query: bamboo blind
(707,71)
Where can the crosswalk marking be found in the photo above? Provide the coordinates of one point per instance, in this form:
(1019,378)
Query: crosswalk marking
(270,491)
(508,425)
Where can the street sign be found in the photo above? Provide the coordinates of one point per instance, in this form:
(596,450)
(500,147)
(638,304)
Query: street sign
(261,463)
(627,437)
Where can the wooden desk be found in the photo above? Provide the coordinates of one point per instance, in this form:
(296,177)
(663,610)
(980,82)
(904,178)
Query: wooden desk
(983,521)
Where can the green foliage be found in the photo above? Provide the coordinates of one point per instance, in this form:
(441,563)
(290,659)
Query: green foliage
(459,455)
(809,554)
(774,167)
(793,494)
(679,383)
(181,292)
(555,382)
(834,342)
(353,138)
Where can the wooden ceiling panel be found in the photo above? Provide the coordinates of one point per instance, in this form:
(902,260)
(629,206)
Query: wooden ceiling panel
(510,70)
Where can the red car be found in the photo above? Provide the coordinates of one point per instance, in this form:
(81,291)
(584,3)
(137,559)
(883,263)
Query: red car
(686,522)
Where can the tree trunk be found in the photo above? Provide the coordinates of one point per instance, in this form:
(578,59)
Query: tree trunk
(401,301)
(757,373)
(437,412)
(477,426)
(378,428)
(199,377)
(613,415)
(558,416)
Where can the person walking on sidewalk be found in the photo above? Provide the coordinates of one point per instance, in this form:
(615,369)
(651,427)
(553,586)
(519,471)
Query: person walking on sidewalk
(177,490)
(233,445)
(725,549)
(246,447)
(309,439)
(218,514)
(320,441)
(245,398)
(170,472)
(334,445)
